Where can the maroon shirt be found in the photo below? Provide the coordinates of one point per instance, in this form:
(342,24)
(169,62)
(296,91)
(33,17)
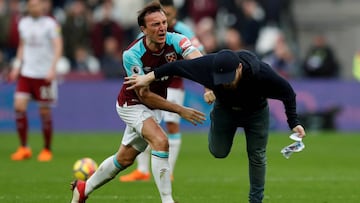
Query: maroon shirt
(138,59)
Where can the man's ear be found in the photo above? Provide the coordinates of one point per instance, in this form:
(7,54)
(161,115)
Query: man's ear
(142,28)
(240,69)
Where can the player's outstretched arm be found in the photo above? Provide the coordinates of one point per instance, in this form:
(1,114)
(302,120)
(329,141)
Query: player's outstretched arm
(155,101)
(192,115)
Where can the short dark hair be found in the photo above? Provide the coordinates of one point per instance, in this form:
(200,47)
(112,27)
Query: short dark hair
(148,9)
(167,2)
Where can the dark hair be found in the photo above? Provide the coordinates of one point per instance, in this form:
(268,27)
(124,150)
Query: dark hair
(148,9)
(167,2)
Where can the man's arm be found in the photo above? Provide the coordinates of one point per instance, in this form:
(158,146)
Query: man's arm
(155,101)
(58,48)
(276,87)
(198,70)
(209,96)
(137,81)
(16,66)
(194,54)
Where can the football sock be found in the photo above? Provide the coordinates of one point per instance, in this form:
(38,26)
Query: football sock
(143,160)
(174,149)
(107,170)
(22,127)
(47,129)
(161,172)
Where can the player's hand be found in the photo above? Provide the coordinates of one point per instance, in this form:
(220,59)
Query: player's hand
(299,129)
(192,115)
(51,75)
(136,81)
(14,74)
(209,96)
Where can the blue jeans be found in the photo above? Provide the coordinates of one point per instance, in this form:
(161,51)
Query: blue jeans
(224,122)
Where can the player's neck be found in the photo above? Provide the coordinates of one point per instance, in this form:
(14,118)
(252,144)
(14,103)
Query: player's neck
(152,46)
(35,17)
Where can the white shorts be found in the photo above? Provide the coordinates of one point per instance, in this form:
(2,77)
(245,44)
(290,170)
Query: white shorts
(134,116)
(175,96)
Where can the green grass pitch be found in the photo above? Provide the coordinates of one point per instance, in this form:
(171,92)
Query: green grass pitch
(327,171)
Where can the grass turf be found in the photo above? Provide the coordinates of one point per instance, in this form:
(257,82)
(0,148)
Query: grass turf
(327,171)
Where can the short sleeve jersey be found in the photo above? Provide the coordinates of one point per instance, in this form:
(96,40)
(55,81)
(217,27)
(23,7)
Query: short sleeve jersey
(37,35)
(139,59)
(185,30)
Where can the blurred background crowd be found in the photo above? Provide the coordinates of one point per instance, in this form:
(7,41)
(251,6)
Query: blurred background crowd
(96,32)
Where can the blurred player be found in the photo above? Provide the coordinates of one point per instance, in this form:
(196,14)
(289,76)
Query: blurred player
(242,84)
(175,94)
(39,50)
(141,109)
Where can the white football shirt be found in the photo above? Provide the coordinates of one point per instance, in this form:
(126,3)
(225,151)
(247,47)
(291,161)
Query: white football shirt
(37,35)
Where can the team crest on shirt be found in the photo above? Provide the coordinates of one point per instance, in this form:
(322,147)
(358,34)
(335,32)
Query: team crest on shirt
(170,57)
(135,69)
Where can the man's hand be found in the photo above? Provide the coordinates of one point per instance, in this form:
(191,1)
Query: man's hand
(209,96)
(299,129)
(137,81)
(14,74)
(192,115)
(51,75)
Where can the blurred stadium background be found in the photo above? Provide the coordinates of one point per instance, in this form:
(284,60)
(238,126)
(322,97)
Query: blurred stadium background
(314,44)
(86,123)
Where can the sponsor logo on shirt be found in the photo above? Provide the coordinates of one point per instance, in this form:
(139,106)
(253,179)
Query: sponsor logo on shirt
(170,57)
(135,69)
(147,69)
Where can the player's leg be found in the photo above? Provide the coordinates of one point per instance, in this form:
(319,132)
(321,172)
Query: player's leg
(256,131)
(45,94)
(107,170)
(131,145)
(143,161)
(21,100)
(47,130)
(222,130)
(172,121)
(146,122)
(141,120)
(111,166)
(174,136)
(141,173)
(158,141)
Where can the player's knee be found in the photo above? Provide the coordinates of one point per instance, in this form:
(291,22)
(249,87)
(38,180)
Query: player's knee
(20,111)
(20,104)
(219,153)
(160,143)
(21,108)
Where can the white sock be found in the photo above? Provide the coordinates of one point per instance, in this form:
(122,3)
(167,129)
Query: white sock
(107,170)
(174,149)
(161,172)
(143,160)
